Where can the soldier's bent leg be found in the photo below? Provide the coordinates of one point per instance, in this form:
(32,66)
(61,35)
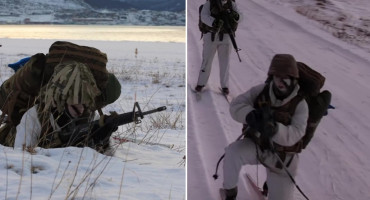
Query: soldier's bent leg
(237,154)
(280,186)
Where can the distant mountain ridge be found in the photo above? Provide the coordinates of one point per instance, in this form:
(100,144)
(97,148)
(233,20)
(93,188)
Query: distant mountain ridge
(157,5)
(107,12)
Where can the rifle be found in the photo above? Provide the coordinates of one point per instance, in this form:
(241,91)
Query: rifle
(225,18)
(95,132)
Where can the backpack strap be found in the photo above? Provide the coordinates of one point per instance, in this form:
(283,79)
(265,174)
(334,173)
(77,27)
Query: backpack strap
(289,108)
(282,115)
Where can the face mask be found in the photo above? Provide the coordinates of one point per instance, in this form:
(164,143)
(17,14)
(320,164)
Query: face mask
(282,84)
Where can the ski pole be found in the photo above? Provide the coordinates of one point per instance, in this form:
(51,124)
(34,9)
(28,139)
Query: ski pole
(285,168)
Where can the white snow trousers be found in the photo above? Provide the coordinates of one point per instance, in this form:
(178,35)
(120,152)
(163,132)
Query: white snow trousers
(223,49)
(243,152)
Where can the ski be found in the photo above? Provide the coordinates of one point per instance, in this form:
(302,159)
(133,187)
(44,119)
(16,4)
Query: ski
(255,188)
(121,140)
(198,95)
(227,96)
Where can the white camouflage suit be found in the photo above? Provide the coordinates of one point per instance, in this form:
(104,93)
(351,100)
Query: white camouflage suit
(29,129)
(244,151)
(210,47)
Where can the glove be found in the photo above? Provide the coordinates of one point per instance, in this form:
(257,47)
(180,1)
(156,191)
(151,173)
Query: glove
(234,15)
(103,133)
(262,121)
(269,129)
(217,25)
(254,119)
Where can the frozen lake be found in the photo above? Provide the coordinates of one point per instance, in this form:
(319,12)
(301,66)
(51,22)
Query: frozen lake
(95,32)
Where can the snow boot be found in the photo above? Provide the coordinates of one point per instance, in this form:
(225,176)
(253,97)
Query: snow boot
(199,88)
(225,90)
(265,189)
(231,193)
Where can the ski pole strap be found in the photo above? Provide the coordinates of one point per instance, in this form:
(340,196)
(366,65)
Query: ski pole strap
(215,176)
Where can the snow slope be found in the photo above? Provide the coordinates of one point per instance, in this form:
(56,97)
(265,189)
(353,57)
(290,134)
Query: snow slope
(335,165)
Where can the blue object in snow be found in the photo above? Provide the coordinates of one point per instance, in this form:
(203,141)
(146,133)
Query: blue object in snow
(19,64)
(329,107)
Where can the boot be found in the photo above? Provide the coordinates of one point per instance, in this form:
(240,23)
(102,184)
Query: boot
(265,189)
(225,90)
(199,88)
(231,193)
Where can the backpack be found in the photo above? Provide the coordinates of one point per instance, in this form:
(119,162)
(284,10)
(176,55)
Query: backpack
(310,82)
(17,94)
(20,91)
(203,28)
(318,102)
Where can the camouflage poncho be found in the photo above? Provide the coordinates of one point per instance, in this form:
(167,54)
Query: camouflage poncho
(71,83)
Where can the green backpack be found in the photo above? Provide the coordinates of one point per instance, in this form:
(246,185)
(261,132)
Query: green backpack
(20,91)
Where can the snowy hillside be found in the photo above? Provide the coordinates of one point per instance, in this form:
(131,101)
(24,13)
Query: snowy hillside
(92,12)
(335,165)
(344,19)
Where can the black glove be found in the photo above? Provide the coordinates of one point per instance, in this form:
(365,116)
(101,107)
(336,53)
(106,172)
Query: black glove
(262,121)
(254,119)
(217,25)
(103,133)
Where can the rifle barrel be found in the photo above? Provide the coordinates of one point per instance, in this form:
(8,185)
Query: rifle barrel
(159,109)
(129,117)
(231,34)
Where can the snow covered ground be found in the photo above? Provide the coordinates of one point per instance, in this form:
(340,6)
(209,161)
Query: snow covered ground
(152,166)
(344,19)
(335,165)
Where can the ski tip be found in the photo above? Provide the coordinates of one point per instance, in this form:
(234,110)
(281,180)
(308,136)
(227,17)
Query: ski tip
(257,190)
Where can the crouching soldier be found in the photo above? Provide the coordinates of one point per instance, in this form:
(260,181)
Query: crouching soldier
(67,101)
(264,110)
